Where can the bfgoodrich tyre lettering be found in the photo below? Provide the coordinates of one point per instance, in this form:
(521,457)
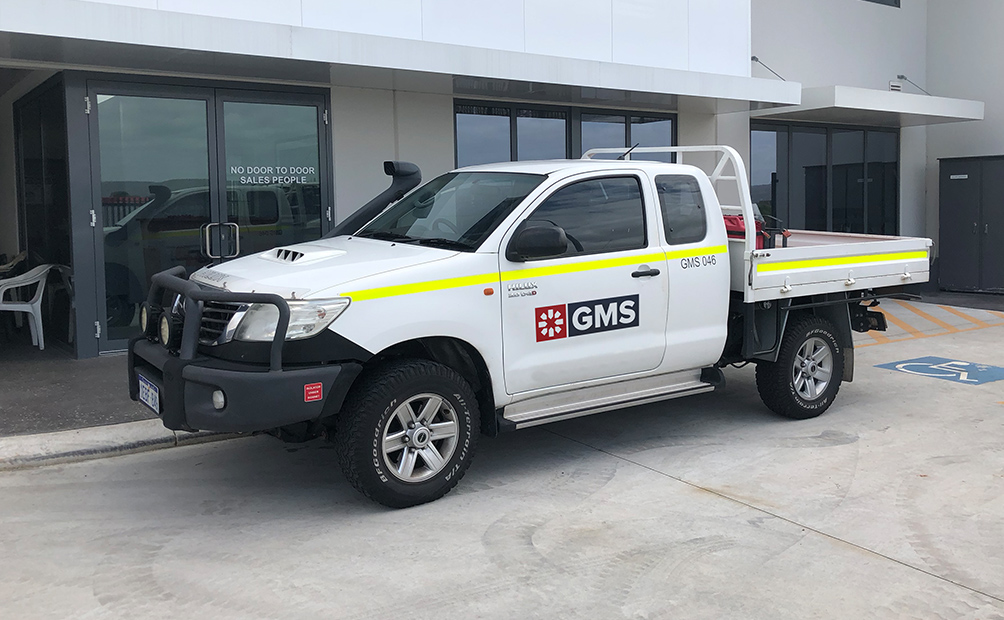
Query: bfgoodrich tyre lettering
(804,380)
(407,432)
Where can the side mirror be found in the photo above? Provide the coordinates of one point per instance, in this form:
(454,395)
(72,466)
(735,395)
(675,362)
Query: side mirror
(536,242)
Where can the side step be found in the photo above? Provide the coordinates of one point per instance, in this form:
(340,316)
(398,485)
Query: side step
(597,399)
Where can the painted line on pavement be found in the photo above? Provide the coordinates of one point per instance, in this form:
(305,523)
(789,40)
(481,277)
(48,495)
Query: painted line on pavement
(963,315)
(927,317)
(879,337)
(901,324)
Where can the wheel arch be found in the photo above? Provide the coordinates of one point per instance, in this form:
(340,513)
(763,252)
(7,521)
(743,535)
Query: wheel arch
(462,357)
(839,315)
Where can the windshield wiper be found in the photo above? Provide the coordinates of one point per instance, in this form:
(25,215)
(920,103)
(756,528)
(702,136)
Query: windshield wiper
(384,235)
(439,242)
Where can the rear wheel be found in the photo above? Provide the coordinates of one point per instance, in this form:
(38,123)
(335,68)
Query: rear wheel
(804,380)
(407,432)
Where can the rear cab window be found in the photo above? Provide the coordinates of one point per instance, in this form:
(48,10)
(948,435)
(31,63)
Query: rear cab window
(684,216)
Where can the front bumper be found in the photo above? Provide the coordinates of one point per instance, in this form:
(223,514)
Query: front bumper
(257,397)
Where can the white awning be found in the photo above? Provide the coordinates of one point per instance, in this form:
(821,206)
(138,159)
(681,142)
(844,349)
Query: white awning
(879,108)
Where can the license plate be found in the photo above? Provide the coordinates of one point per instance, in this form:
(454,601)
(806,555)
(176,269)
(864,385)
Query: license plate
(149,394)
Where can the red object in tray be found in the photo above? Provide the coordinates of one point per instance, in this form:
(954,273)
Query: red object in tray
(736,229)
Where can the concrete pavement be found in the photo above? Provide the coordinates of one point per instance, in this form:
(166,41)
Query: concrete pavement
(890,505)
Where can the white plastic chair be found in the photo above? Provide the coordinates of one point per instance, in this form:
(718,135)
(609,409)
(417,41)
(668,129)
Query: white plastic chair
(35,277)
(12,263)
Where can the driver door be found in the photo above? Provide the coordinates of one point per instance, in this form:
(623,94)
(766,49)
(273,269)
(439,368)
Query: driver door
(600,309)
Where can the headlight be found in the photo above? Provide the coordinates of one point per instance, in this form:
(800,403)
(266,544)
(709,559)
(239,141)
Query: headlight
(306,319)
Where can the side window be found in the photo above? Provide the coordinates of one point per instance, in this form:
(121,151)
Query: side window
(683,212)
(598,215)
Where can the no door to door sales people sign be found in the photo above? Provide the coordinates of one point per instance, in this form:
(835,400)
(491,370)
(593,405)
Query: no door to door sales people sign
(958,371)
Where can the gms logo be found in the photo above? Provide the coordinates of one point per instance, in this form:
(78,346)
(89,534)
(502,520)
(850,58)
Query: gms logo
(586,317)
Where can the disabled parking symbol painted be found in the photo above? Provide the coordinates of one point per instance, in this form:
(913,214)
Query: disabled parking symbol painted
(970,373)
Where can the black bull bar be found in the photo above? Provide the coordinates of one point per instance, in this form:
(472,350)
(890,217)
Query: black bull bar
(172,280)
(256,398)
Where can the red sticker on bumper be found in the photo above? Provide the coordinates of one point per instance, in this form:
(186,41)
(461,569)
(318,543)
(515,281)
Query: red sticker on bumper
(312,392)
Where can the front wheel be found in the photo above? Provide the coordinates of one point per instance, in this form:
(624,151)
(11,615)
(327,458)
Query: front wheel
(407,432)
(804,380)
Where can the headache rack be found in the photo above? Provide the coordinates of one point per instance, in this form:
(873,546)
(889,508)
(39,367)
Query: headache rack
(810,262)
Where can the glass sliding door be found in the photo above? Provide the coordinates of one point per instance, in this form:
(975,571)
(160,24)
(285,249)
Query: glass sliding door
(272,164)
(188,176)
(807,192)
(841,179)
(882,157)
(849,181)
(769,172)
(155,196)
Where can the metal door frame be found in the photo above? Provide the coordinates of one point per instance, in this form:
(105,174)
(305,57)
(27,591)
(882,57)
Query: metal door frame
(94,88)
(318,101)
(84,170)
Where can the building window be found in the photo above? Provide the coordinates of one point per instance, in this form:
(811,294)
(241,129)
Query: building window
(841,179)
(490,132)
(482,134)
(894,3)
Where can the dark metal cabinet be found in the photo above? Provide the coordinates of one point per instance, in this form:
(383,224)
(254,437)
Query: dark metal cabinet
(972,224)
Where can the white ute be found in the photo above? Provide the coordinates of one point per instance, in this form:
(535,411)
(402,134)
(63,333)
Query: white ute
(503,296)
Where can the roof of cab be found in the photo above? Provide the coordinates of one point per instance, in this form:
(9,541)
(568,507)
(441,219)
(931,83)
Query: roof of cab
(565,167)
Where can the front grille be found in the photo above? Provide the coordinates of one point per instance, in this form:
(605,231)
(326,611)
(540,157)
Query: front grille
(216,316)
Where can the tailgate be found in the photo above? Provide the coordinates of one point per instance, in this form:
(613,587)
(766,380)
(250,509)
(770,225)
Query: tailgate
(862,262)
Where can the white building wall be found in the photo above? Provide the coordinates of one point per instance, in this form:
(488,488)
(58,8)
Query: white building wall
(965,60)
(841,42)
(698,35)
(863,44)
(371,126)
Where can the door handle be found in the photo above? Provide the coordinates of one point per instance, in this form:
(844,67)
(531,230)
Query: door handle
(645,273)
(975,225)
(237,239)
(207,240)
(986,229)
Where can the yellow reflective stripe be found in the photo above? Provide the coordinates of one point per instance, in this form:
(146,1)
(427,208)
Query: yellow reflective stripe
(717,249)
(603,263)
(838,261)
(523,274)
(422,287)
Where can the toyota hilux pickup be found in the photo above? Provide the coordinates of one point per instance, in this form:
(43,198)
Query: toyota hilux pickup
(504,296)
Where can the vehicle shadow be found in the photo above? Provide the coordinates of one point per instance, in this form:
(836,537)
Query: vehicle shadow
(269,479)
(282,479)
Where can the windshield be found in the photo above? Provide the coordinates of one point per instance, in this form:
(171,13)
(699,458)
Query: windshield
(455,211)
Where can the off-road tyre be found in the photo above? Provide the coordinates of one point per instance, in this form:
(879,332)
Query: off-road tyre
(368,417)
(781,386)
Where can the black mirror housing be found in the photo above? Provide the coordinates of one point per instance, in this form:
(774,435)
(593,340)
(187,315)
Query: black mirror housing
(537,242)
